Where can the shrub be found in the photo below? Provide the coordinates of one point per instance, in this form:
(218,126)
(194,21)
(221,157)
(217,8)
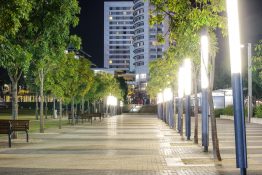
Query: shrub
(226,111)
(218,112)
(258,111)
(229,110)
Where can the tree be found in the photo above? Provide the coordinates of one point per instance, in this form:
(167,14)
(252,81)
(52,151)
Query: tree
(14,54)
(12,13)
(257,70)
(186,20)
(104,85)
(49,30)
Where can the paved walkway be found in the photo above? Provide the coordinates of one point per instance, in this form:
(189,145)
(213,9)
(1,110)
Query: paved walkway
(122,145)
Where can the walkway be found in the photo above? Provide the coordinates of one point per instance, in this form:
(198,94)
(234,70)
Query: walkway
(120,145)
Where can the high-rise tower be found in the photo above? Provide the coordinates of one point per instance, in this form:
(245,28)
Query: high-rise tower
(118,35)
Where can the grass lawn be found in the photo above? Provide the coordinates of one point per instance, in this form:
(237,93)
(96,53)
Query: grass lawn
(34,124)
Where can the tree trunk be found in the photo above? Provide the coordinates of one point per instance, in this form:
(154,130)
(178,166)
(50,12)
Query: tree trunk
(14,103)
(83,106)
(36,106)
(60,114)
(41,77)
(195,108)
(216,150)
(73,110)
(88,106)
(99,106)
(76,109)
(14,100)
(54,113)
(66,110)
(94,107)
(46,107)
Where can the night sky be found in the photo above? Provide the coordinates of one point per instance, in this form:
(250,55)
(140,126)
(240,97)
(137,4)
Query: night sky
(90,28)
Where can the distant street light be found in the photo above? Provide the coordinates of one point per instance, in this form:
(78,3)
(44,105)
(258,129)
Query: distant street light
(237,87)
(204,86)
(121,104)
(188,79)
(111,102)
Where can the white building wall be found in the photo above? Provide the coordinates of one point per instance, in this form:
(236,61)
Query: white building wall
(118,34)
(151,50)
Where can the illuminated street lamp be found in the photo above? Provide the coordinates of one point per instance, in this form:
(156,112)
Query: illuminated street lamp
(204,86)
(121,106)
(188,79)
(237,87)
(180,99)
(111,102)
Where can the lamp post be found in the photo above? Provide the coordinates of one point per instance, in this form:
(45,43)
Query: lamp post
(168,100)
(187,67)
(159,105)
(121,106)
(180,99)
(236,78)
(112,103)
(204,87)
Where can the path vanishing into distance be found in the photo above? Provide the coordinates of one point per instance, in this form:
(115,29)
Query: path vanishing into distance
(128,144)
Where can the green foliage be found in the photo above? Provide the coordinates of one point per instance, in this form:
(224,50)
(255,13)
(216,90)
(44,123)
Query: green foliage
(258,111)
(186,19)
(162,73)
(12,12)
(229,110)
(123,87)
(104,85)
(257,70)
(219,112)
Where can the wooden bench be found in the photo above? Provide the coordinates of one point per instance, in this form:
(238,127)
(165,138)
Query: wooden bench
(10,126)
(70,118)
(90,116)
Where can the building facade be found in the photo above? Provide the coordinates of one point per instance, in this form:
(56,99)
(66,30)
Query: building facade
(130,43)
(145,44)
(118,35)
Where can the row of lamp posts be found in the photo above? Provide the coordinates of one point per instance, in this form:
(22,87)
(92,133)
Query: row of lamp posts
(165,98)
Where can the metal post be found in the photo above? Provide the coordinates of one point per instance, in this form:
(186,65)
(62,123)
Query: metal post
(180,113)
(205,138)
(239,121)
(163,111)
(237,87)
(171,116)
(250,107)
(188,118)
(167,112)
(158,111)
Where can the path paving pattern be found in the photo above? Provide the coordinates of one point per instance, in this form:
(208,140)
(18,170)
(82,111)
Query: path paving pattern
(124,145)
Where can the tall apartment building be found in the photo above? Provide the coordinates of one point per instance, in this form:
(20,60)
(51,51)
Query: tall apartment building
(118,35)
(144,41)
(129,40)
